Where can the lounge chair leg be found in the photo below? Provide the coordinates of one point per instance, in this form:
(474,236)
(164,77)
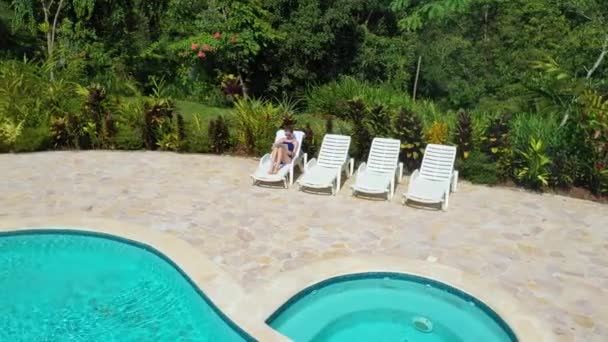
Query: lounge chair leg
(454,185)
(338,181)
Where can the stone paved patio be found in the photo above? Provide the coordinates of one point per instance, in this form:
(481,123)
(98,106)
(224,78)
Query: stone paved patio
(550,252)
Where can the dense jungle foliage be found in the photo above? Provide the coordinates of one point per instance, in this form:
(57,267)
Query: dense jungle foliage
(519,86)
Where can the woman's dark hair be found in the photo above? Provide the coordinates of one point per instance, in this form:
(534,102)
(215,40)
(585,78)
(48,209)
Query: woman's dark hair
(288,129)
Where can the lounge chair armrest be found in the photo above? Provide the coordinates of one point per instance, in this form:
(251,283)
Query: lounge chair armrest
(352,166)
(310,163)
(305,158)
(412,179)
(264,159)
(362,167)
(414,175)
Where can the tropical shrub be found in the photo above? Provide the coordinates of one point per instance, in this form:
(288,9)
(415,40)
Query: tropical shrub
(361,136)
(565,169)
(198,138)
(478,168)
(311,142)
(180,128)
(33,139)
(129,138)
(333,97)
(169,142)
(408,129)
(480,121)
(495,142)
(129,124)
(9,133)
(19,82)
(329,125)
(532,165)
(100,125)
(158,126)
(28,99)
(464,134)
(71,131)
(594,124)
(61,133)
(231,86)
(378,121)
(524,125)
(256,123)
(437,133)
(173,135)
(219,135)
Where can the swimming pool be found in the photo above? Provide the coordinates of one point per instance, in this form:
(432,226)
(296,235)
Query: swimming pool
(387,307)
(76,286)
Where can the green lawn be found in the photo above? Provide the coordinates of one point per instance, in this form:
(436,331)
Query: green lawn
(188,109)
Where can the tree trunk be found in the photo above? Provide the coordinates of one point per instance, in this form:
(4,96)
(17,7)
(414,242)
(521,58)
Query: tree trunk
(51,30)
(599,60)
(416,80)
(243,86)
(485,23)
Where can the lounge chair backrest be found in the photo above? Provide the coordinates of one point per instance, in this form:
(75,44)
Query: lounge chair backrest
(334,150)
(383,155)
(299,137)
(438,162)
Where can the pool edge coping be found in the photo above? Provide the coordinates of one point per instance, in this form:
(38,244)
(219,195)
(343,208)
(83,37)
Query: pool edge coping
(262,301)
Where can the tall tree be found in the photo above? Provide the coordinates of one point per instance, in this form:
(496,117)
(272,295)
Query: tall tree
(27,13)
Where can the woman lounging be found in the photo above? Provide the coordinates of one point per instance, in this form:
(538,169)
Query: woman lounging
(283,150)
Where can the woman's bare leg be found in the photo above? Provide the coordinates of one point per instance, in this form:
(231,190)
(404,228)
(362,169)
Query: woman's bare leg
(274,159)
(285,157)
(279,159)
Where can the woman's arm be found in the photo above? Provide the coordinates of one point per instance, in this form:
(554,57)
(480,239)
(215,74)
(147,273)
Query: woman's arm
(278,144)
(296,144)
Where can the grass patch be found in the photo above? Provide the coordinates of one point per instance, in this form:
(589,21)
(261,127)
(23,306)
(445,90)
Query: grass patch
(188,109)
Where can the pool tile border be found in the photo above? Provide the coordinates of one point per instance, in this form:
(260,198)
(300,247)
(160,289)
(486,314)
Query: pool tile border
(230,298)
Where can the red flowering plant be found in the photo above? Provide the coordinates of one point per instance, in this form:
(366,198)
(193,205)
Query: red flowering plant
(195,48)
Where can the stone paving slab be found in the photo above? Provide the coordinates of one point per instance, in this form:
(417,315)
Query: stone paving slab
(550,252)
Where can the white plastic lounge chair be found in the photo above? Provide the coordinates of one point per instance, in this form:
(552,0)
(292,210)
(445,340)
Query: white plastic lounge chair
(436,177)
(382,170)
(262,175)
(326,171)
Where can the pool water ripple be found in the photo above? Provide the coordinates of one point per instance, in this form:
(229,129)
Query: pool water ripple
(74,287)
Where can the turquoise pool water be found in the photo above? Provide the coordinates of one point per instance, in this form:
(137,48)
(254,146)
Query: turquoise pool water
(387,307)
(80,287)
